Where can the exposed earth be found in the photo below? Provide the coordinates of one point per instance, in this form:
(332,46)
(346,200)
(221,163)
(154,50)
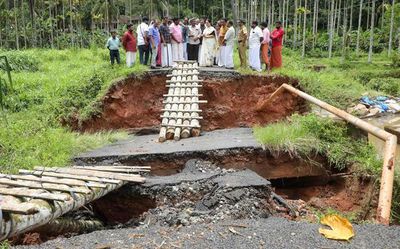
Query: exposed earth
(220,190)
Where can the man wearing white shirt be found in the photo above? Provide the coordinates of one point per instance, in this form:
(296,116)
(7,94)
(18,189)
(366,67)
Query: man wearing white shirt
(228,41)
(142,41)
(255,38)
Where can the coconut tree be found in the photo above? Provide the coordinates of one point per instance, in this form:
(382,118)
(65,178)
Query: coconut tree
(371,38)
(303,52)
(391,28)
(331,28)
(359,27)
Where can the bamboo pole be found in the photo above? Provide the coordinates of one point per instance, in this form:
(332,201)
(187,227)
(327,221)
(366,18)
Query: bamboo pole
(388,168)
(47,211)
(70,176)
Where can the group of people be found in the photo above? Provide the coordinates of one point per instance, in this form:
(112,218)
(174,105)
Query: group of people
(166,42)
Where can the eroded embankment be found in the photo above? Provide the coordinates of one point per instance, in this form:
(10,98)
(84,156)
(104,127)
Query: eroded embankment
(136,102)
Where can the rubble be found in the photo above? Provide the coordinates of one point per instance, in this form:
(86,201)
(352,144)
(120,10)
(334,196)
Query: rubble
(204,193)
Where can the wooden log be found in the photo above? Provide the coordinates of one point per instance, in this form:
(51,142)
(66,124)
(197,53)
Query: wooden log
(183,126)
(33,193)
(183,110)
(177,134)
(184,85)
(162,116)
(127,167)
(71,176)
(185,102)
(122,177)
(17,224)
(195,132)
(186,129)
(184,73)
(111,169)
(47,186)
(9,206)
(62,226)
(46,179)
(192,81)
(170,126)
(183,95)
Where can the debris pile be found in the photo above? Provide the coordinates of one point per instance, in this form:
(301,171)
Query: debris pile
(369,107)
(204,193)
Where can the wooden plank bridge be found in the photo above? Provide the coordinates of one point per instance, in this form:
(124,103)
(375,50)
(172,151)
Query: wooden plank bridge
(181,112)
(33,198)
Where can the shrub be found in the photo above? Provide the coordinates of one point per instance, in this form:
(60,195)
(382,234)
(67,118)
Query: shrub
(387,85)
(20,61)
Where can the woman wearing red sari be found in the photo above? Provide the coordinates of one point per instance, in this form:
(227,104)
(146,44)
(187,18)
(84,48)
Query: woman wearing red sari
(277,37)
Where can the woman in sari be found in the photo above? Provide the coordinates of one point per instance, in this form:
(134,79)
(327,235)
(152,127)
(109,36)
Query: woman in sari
(208,48)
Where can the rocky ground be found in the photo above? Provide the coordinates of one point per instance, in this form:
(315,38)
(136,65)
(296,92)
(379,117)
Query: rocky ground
(205,206)
(271,232)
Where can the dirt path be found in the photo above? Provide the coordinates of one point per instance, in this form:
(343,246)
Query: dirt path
(263,233)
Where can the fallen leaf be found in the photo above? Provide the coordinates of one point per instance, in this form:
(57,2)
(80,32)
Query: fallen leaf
(341,228)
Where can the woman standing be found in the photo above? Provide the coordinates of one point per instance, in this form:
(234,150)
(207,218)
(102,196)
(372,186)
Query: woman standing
(208,48)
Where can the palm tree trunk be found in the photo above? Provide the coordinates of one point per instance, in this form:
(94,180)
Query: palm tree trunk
(295,25)
(391,28)
(383,14)
(16,24)
(331,28)
(371,38)
(303,53)
(359,27)
(344,32)
(223,8)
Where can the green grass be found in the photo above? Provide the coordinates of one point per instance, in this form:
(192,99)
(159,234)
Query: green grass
(63,84)
(303,136)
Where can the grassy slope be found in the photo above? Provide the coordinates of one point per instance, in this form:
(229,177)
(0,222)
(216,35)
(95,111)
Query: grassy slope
(68,81)
(340,85)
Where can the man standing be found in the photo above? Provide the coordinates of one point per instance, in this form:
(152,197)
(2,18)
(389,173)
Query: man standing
(228,42)
(185,34)
(143,41)
(166,49)
(176,35)
(242,43)
(113,45)
(221,37)
(255,39)
(129,44)
(265,44)
(194,41)
(201,24)
(154,35)
(276,36)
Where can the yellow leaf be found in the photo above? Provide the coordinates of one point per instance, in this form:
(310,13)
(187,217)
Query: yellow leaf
(341,228)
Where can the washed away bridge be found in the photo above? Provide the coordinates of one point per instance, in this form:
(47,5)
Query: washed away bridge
(34,198)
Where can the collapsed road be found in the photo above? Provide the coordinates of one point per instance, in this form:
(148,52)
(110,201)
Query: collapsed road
(205,206)
(219,190)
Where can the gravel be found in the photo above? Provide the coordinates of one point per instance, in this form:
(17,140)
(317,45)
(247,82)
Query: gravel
(261,233)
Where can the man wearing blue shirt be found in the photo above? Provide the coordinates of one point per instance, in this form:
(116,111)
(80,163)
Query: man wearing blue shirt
(113,44)
(154,35)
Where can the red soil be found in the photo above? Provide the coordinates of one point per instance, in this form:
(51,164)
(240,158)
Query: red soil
(136,102)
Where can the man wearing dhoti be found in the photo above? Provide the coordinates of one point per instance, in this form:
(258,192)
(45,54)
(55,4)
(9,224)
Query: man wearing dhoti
(277,38)
(265,45)
(177,45)
(221,36)
(228,42)
(166,48)
(255,39)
